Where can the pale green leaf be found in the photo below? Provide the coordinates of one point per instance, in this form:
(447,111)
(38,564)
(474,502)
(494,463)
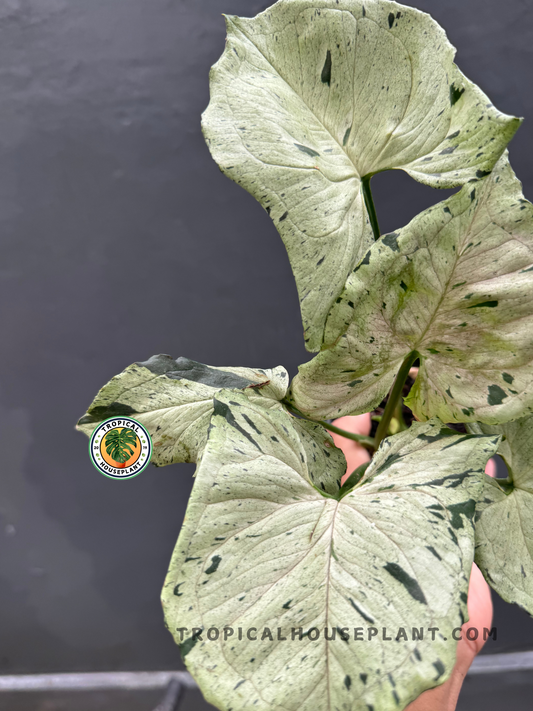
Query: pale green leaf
(173,399)
(262,548)
(326,465)
(312,96)
(504,527)
(456,286)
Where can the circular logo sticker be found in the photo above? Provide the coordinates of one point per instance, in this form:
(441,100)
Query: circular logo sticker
(120,448)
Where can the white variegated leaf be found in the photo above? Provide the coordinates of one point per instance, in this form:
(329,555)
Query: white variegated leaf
(313,96)
(262,548)
(504,517)
(456,286)
(326,465)
(173,399)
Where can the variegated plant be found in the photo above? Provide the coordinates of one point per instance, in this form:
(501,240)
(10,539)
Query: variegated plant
(310,99)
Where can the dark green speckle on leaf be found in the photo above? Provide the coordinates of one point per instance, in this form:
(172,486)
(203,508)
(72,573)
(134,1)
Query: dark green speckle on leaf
(455,94)
(466,509)
(410,584)
(391,240)
(440,668)
(326,71)
(185,647)
(306,149)
(485,305)
(215,561)
(496,395)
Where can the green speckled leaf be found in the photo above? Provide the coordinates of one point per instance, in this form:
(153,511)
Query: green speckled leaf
(312,96)
(455,285)
(262,548)
(504,528)
(326,465)
(173,399)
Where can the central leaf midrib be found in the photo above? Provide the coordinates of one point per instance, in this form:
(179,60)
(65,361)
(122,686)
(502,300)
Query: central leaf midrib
(309,551)
(328,585)
(458,256)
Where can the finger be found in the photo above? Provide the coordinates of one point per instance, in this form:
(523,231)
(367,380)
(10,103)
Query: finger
(358,424)
(491,468)
(354,453)
(444,697)
(480,611)
(354,459)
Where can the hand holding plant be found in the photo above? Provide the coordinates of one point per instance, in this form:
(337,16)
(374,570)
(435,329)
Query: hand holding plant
(444,697)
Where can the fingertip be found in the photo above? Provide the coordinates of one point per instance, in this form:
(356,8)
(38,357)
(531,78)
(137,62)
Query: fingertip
(491,468)
(357,424)
(354,459)
(480,612)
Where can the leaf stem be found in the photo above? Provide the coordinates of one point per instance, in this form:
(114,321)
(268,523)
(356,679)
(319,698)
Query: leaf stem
(398,414)
(366,442)
(353,480)
(371,208)
(395,397)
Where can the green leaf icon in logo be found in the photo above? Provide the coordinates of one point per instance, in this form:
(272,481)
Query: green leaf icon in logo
(120,445)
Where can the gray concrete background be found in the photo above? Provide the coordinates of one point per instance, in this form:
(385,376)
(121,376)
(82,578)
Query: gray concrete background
(120,240)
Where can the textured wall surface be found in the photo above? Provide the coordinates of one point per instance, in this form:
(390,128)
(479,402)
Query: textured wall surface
(121,239)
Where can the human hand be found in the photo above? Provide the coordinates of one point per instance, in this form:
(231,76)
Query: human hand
(354,453)
(444,697)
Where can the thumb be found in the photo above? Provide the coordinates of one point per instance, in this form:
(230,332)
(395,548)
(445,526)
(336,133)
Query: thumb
(444,697)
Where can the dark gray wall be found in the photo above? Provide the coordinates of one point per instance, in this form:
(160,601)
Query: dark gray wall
(122,239)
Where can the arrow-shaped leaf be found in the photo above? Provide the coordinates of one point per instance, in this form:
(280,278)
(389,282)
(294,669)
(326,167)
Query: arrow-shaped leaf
(262,548)
(456,286)
(312,97)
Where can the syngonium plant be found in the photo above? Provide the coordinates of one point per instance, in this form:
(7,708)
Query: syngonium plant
(310,99)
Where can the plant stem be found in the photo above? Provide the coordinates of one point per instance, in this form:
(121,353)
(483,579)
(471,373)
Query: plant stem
(398,414)
(371,208)
(366,442)
(395,397)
